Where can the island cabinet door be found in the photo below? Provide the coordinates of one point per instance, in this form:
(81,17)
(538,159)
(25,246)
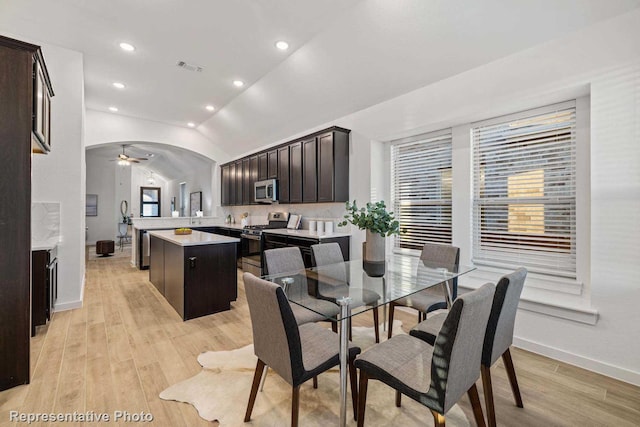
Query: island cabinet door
(210,279)
(156,263)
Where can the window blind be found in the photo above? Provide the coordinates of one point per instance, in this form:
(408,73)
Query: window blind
(421,189)
(524,210)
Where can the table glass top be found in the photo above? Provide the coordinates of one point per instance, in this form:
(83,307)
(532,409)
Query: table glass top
(319,287)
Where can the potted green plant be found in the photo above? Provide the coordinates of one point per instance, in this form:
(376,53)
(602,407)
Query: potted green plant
(379,224)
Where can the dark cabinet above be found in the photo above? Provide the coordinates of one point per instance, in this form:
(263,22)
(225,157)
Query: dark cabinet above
(311,169)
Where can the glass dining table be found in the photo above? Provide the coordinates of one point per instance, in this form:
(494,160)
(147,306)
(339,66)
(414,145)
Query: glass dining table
(348,285)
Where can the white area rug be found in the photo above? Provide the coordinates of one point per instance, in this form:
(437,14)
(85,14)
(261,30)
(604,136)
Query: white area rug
(221,392)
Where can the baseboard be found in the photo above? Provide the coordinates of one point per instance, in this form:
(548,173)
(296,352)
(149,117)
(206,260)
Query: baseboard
(64,306)
(606,369)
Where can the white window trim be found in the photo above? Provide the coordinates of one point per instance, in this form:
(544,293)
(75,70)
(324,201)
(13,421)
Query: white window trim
(569,300)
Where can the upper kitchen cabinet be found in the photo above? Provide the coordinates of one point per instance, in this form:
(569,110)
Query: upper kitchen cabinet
(272,167)
(247,188)
(18,94)
(309,171)
(333,167)
(283,174)
(295,172)
(225,190)
(42,93)
(239,183)
(263,171)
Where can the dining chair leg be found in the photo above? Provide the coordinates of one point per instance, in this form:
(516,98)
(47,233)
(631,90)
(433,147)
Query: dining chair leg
(362,397)
(511,373)
(488,395)
(398,399)
(315,382)
(475,404)
(254,389)
(438,419)
(353,376)
(295,405)
(376,324)
(419,316)
(392,307)
(334,327)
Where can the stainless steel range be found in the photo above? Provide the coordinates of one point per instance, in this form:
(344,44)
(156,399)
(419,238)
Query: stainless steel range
(252,242)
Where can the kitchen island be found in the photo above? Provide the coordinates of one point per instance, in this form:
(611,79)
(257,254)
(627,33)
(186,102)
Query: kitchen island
(196,273)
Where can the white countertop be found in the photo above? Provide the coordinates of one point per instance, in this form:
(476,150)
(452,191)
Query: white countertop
(306,233)
(194,239)
(44,245)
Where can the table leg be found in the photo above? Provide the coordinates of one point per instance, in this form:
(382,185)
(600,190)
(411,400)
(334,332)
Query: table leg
(447,289)
(343,332)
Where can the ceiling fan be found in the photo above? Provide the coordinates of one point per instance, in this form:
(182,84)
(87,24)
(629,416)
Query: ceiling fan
(124,159)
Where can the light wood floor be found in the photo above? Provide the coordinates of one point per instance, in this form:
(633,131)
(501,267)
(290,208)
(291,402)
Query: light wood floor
(127,344)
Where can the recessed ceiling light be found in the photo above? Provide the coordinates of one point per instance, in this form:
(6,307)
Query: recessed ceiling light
(282,45)
(127,47)
(210,107)
(118,85)
(114,109)
(191,124)
(238,83)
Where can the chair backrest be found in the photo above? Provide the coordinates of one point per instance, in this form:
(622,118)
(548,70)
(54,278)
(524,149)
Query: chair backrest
(283,260)
(328,258)
(327,253)
(457,351)
(499,335)
(447,256)
(276,339)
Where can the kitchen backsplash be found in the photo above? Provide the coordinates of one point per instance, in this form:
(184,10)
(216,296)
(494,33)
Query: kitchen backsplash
(312,211)
(45,222)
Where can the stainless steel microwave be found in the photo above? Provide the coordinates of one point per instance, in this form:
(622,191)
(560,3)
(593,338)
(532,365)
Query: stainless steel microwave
(266,191)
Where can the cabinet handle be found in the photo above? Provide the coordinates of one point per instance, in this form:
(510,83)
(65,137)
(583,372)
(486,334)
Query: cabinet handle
(192,262)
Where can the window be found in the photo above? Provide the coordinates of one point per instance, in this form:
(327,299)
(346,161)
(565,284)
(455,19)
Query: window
(421,189)
(149,201)
(524,191)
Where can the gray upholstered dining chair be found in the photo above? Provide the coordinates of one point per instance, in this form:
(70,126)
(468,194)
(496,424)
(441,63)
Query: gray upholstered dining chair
(329,256)
(498,337)
(437,376)
(434,298)
(289,260)
(296,353)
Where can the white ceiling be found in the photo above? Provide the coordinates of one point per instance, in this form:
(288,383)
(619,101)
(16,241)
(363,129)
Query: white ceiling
(345,55)
(167,161)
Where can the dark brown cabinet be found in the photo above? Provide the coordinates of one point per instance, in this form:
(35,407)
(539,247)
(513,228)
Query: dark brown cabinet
(295,173)
(247,188)
(196,280)
(311,169)
(274,241)
(239,183)
(283,174)
(253,168)
(263,170)
(232,184)
(44,286)
(272,167)
(333,167)
(225,198)
(18,96)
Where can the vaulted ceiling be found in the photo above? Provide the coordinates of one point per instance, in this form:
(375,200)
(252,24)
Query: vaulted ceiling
(344,55)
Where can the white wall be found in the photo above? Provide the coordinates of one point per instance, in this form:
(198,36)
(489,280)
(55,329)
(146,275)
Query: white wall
(60,175)
(100,180)
(102,128)
(603,60)
(199,179)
